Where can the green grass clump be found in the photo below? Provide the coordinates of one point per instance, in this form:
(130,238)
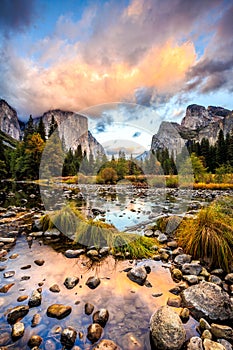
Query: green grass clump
(210,236)
(137,246)
(88,232)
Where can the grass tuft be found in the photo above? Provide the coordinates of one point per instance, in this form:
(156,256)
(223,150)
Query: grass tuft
(210,236)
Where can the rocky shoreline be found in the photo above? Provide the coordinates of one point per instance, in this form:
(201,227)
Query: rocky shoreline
(198,292)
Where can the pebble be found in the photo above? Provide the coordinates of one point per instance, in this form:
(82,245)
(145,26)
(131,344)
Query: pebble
(39,262)
(58,311)
(101,317)
(35,299)
(71,282)
(34,341)
(93,282)
(94,332)
(17,330)
(54,288)
(68,337)
(6,287)
(8,274)
(88,308)
(22,298)
(36,320)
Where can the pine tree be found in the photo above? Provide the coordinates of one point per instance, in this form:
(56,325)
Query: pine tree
(41,129)
(69,168)
(53,126)
(221,149)
(30,128)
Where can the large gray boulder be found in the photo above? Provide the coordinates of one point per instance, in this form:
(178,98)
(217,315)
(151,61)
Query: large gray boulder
(208,300)
(167,330)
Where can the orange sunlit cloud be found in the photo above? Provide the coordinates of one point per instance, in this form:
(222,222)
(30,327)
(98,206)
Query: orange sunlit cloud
(75,84)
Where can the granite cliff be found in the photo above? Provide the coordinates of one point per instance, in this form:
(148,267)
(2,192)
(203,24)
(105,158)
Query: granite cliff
(9,122)
(73,130)
(72,127)
(198,123)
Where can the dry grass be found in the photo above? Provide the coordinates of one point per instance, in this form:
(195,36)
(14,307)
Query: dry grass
(210,236)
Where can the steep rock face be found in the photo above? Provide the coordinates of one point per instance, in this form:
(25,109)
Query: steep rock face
(73,130)
(199,122)
(198,116)
(9,123)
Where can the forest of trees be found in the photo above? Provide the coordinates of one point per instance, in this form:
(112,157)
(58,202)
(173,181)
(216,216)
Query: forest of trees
(23,162)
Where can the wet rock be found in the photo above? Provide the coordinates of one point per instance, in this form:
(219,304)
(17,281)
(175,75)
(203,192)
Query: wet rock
(89,308)
(217,272)
(93,282)
(6,287)
(25,278)
(106,344)
(204,273)
(167,330)
(54,288)
(17,330)
(206,334)
(215,279)
(204,324)
(3,267)
(68,337)
(225,343)
(104,251)
(6,240)
(174,301)
(191,279)
(182,259)
(229,278)
(53,232)
(195,343)
(101,317)
(26,267)
(39,262)
(184,314)
(175,290)
(93,254)
(74,253)
(208,300)
(162,238)
(36,320)
(17,313)
(37,225)
(149,233)
(36,234)
(191,269)
(22,298)
(71,282)
(221,331)
(94,332)
(35,299)
(156,295)
(211,345)
(176,275)
(13,256)
(58,311)
(34,341)
(172,245)
(138,274)
(9,274)
(178,251)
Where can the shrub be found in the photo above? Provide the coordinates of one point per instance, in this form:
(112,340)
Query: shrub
(210,236)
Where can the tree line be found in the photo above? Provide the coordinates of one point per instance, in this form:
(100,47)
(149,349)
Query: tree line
(23,162)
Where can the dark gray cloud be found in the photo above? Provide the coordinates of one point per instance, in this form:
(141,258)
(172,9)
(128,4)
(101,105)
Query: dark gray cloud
(215,69)
(16,15)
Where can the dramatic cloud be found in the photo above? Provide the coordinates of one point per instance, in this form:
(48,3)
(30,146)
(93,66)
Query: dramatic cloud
(16,15)
(144,53)
(215,69)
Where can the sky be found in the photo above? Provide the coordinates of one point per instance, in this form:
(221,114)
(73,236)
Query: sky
(103,57)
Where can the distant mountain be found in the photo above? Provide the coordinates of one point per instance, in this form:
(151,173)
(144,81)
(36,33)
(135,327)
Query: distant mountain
(143,156)
(72,128)
(198,123)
